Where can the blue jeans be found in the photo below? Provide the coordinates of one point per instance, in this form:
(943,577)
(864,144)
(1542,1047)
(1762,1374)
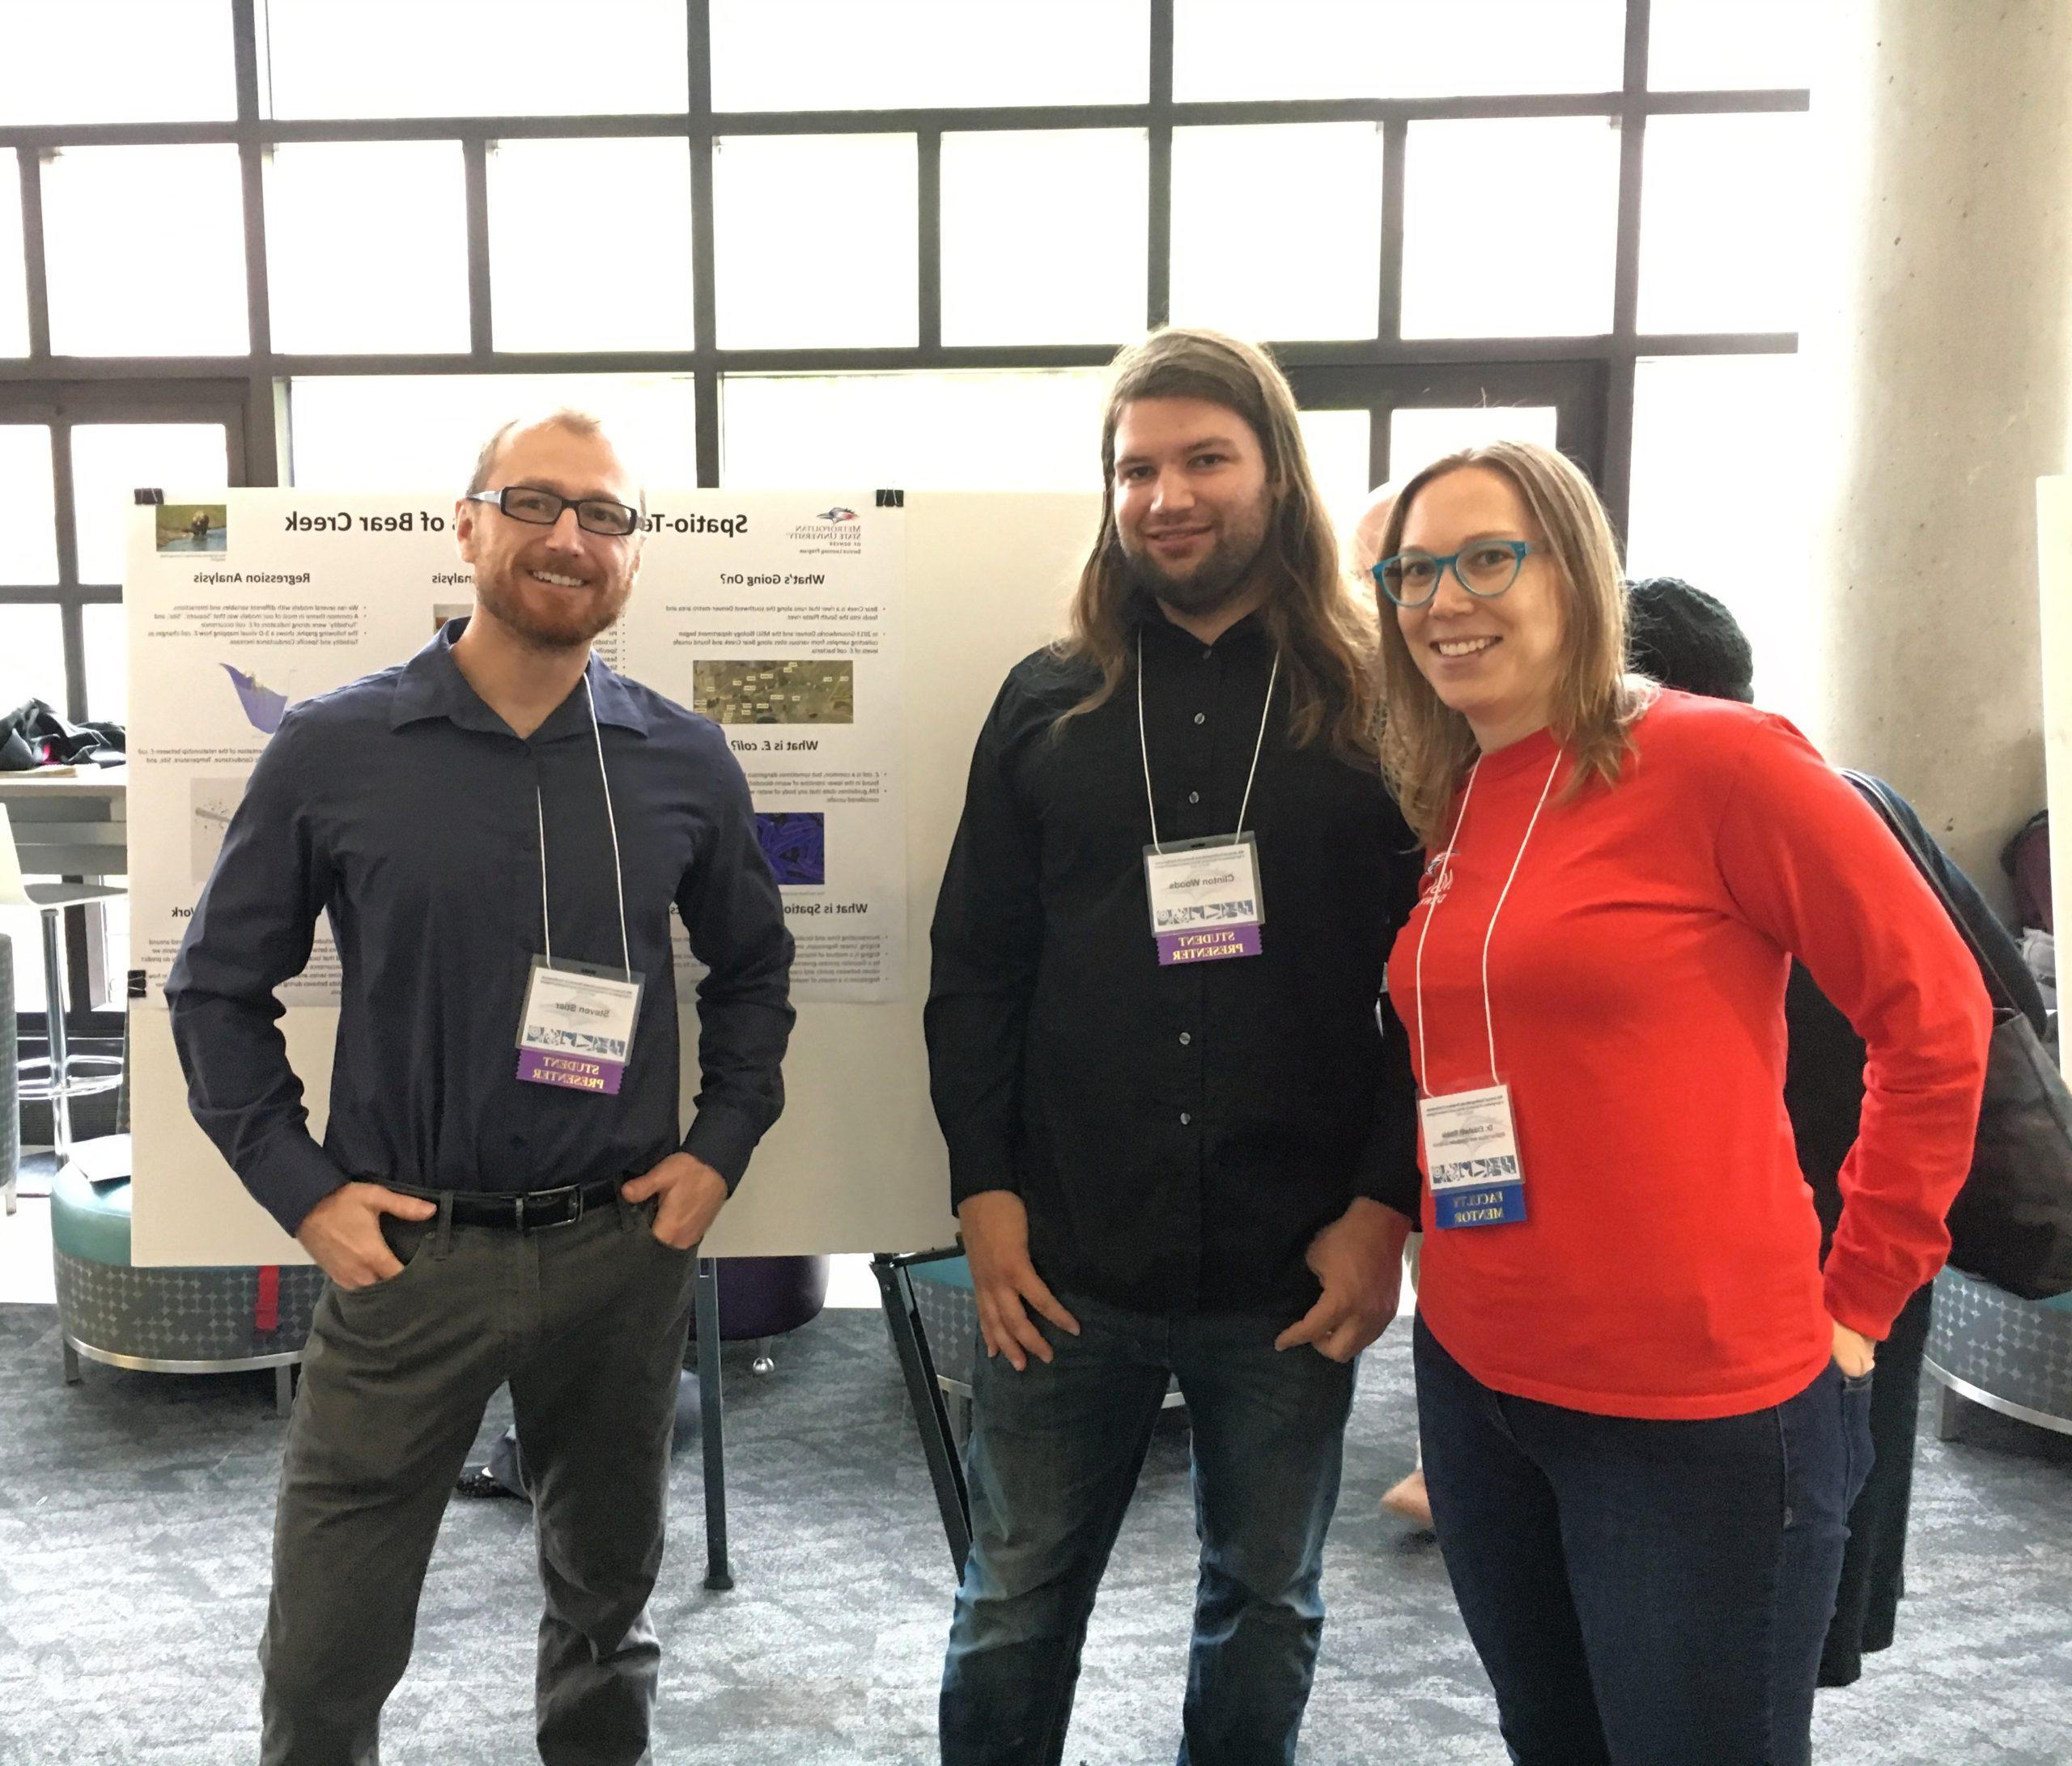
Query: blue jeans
(1053,1458)
(1650,1593)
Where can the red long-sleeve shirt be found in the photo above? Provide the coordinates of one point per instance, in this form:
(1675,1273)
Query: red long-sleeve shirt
(1669,1263)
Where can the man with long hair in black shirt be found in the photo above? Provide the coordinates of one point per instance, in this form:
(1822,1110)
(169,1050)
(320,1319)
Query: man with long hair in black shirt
(1181,1144)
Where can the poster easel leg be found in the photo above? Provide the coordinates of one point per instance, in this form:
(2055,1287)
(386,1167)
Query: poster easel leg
(712,1426)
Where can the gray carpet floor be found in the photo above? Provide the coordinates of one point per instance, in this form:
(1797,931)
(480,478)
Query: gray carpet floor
(135,1514)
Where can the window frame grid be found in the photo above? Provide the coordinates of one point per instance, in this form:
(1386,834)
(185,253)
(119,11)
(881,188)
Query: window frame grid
(60,390)
(264,370)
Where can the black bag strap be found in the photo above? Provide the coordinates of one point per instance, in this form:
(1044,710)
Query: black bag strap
(1881,798)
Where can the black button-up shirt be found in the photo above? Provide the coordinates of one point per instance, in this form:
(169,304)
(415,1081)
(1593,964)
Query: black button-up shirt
(406,809)
(1177,1134)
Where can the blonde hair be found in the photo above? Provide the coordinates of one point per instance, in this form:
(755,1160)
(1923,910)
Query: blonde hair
(1426,748)
(1324,633)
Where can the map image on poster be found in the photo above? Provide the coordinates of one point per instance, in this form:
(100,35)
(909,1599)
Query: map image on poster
(795,842)
(796,690)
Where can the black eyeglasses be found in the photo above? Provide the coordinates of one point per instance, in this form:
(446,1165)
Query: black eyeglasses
(542,509)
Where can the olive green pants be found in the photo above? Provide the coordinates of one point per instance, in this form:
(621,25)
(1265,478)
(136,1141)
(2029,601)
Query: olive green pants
(586,1322)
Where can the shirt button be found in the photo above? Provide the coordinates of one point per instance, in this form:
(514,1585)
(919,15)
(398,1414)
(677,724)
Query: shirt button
(1186,1038)
(1194,797)
(1201,717)
(1185,1118)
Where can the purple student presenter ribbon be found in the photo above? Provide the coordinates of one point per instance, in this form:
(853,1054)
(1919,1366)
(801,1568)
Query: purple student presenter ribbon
(577,1072)
(1211,945)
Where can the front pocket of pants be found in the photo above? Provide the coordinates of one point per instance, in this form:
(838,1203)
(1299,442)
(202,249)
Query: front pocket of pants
(1856,1430)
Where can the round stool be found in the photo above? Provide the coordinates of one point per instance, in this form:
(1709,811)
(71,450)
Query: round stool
(2012,1356)
(177,1320)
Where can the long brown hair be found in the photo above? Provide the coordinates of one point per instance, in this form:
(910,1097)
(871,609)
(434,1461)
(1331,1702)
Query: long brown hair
(1426,748)
(1324,633)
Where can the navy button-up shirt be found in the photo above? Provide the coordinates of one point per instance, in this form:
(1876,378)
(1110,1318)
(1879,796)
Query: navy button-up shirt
(406,809)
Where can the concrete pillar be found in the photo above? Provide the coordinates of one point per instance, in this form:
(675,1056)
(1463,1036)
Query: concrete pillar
(1942,378)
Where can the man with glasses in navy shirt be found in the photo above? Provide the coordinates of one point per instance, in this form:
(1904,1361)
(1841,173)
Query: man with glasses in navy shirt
(497,830)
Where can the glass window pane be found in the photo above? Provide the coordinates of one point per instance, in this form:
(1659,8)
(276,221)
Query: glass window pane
(112,461)
(815,239)
(1728,45)
(1419,435)
(1719,498)
(1536,260)
(815,55)
(422,431)
(403,288)
(13,263)
(28,541)
(145,251)
(107,663)
(1322,183)
(118,61)
(1043,235)
(1041,431)
(31,663)
(21,927)
(475,58)
(538,192)
(1337,444)
(1723,225)
(1396,49)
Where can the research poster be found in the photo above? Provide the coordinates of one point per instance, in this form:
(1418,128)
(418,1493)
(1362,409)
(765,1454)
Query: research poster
(776,615)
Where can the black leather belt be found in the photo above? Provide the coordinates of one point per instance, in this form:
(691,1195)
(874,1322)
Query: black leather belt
(525,1210)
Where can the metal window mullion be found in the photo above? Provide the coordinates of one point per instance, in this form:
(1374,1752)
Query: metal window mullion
(1158,246)
(266,131)
(927,209)
(72,623)
(1616,488)
(704,283)
(261,438)
(474,162)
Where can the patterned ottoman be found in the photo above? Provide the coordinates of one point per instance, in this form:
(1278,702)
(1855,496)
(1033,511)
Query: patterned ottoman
(173,1320)
(2012,1356)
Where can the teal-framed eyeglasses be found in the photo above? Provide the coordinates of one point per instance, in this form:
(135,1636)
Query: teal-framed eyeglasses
(1485,570)
(542,508)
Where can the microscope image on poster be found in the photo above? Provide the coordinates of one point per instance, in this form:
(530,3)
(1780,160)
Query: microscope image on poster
(795,842)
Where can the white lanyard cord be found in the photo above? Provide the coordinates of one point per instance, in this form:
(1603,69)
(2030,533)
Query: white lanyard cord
(1143,747)
(1445,877)
(611,816)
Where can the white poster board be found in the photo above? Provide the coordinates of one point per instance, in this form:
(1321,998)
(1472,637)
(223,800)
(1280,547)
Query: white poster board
(852,700)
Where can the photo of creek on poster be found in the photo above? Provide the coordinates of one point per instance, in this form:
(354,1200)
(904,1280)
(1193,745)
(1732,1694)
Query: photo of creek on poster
(773,613)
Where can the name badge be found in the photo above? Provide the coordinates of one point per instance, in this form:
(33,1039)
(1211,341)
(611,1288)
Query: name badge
(577,1029)
(1471,1151)
(1205,901)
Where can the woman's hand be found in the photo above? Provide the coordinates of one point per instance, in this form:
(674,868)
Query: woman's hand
(1854,1352)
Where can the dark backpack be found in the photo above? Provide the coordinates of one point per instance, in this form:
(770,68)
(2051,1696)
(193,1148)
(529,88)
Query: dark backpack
(2026,859)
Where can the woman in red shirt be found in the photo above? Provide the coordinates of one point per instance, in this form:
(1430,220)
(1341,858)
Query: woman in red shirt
(1643,1404)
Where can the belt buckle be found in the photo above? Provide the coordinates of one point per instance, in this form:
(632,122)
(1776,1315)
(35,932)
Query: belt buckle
(574,1214)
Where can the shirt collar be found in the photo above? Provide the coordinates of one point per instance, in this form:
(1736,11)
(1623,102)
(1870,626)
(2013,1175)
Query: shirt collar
(432,686)
(1158,630)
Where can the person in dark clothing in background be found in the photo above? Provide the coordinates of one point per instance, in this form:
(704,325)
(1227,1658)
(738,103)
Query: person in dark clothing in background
(1685,639)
